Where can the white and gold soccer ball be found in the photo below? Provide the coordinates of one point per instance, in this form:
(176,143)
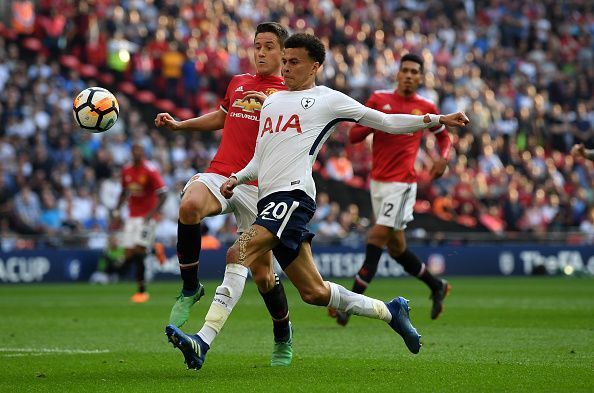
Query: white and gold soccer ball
(95,109)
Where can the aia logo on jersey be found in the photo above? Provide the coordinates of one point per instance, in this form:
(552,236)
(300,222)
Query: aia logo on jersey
(307,102)
(281,125)
(248,106)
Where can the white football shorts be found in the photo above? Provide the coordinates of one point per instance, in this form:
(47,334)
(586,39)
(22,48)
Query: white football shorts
(138,232)
(242,204)
(393,203)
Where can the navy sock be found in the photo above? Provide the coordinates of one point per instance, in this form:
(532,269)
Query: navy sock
(278,307)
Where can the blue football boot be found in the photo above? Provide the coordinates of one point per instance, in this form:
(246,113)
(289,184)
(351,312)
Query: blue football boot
(192,347)
(401,324)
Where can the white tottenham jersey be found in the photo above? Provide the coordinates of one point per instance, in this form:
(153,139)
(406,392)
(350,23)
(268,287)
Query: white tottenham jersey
(295,124)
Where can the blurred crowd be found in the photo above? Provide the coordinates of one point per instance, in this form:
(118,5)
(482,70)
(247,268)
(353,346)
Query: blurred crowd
(522,71)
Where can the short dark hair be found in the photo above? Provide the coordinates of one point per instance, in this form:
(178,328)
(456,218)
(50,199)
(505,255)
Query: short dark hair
(414,58)
(313,45)
(275,28)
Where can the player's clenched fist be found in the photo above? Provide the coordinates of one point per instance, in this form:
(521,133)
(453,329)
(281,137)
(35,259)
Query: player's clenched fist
(165,119)
(458,119)
(228,186)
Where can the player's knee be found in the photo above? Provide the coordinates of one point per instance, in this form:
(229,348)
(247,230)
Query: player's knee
(395,249)
(317,295)
(190,211)
(264,279)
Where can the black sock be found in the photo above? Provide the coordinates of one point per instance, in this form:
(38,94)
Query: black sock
(189,242)
(367,271)
(276,303)
(138,260)
(125,268)
(413,266)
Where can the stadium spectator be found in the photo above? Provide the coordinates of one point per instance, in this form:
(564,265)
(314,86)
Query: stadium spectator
(172,62)
(28,210)
(23,16)
(339,167)
(587,227)
(329,229)
(51,216)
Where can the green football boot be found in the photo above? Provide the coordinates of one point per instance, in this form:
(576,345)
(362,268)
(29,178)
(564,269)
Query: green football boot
(180,312)
(282,353)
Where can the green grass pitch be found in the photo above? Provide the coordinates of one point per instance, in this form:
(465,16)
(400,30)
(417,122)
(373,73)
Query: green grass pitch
(496,335)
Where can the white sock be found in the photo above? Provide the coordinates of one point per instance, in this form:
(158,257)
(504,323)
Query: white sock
(353,303)
(226,297)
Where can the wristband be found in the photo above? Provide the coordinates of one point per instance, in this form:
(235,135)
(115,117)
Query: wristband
(434,120)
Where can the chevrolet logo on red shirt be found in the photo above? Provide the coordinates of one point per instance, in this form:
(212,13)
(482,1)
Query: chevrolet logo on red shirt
(248,106)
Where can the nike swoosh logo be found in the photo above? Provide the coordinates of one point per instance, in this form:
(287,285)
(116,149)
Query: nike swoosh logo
(266,105)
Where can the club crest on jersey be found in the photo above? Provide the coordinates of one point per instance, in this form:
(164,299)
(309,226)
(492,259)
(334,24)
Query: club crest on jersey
(270,91)
(307,102)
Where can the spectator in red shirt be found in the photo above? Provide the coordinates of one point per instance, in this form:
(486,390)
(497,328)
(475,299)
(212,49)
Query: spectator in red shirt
(144,189)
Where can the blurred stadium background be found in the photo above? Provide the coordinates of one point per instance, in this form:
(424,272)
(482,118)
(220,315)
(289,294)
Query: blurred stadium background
(523,71)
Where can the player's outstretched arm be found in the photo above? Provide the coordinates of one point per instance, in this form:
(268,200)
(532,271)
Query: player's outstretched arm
(397,123)
(402,124)
(210,122)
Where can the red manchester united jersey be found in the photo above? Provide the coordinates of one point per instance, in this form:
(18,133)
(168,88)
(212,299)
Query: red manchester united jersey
(142,183)
(394,155)
(241,125)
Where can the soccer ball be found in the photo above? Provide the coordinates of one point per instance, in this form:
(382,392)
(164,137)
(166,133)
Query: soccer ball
(95,109)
